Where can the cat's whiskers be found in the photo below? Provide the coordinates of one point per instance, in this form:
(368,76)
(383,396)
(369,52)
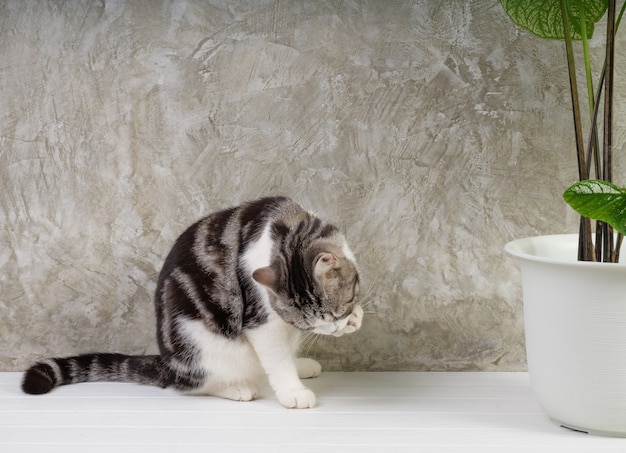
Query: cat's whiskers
(308,343)
(366,301)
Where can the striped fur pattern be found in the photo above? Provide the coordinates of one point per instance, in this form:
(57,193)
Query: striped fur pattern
(233,296)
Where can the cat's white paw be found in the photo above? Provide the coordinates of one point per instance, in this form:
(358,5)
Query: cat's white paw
(242,392)
(302,398)
(308,368)
(354,322)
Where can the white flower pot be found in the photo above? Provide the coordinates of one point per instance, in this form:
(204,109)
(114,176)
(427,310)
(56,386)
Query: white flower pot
(575,323)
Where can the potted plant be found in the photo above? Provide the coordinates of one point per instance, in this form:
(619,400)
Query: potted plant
(574,286)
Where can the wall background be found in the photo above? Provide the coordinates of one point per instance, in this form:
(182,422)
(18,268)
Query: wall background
(432,132)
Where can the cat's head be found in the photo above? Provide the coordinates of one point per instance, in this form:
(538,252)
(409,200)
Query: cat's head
(316,290)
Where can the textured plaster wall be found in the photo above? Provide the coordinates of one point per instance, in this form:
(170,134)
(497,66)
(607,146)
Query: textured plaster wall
(431,131)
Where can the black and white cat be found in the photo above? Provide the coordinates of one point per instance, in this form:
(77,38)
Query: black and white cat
(235,292)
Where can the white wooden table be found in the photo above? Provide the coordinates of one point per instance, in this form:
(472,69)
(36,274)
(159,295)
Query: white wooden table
(357,412)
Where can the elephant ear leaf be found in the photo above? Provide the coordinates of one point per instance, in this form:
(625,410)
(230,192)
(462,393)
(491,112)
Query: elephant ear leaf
(543,17)
(599,200)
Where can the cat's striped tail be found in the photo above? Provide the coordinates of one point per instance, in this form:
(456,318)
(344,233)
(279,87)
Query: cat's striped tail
(50,373)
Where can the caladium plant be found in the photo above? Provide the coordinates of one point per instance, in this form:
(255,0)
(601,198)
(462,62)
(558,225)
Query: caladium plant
(598,199)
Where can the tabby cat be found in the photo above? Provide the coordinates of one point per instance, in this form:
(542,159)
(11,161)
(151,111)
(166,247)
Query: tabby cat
(234,294)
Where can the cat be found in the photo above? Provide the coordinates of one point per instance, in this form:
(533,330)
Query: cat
(232,299)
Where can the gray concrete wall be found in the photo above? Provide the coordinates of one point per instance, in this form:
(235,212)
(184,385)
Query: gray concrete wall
(432,132)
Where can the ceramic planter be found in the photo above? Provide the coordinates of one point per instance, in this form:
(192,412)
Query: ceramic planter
(575,323)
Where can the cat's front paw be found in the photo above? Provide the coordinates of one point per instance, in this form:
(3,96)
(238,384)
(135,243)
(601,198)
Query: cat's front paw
(242,392)
(302,398)
(354,322)
(308,368)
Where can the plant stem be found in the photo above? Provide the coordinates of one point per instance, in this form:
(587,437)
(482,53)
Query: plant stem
(607,170)
(571,66)
(620,237)
(607,164)
(586,251)
(592,148)
(585,247)
(606,250)
(616,248)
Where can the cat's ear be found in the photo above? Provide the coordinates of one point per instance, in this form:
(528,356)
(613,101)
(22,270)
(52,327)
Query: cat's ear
(266,276)
(324,263)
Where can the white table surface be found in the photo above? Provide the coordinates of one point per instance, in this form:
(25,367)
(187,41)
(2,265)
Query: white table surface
(356,412)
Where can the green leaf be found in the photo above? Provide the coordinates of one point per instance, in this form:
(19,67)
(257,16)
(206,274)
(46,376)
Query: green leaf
(543,17)
(599,200)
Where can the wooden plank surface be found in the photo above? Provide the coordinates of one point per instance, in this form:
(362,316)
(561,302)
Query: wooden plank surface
(357,412)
